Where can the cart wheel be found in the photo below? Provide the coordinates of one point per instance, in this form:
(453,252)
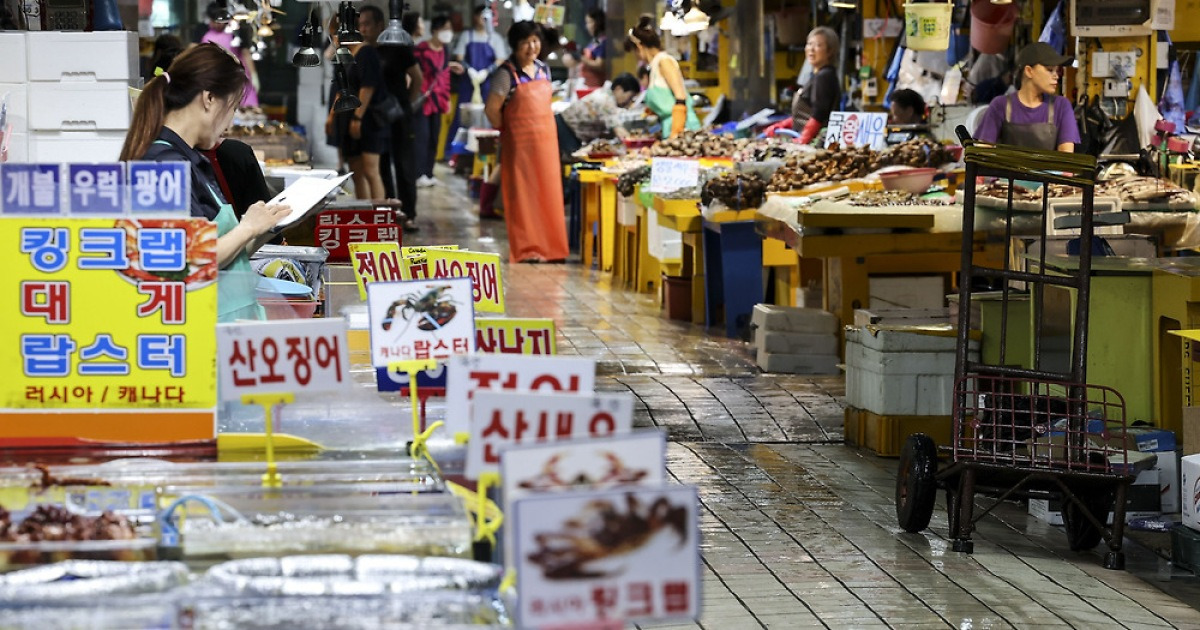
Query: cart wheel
(916,483)
(953,503)
(1082,535)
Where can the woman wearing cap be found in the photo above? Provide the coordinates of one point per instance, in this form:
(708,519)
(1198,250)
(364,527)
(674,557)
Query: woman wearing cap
(1035,116)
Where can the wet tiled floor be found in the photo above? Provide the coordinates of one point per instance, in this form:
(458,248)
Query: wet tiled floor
(800,530)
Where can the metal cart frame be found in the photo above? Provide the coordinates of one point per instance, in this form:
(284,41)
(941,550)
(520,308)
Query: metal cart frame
(1021,432)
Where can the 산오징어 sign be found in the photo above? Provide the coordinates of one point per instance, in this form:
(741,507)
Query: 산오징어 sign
(300,355)
(482,268)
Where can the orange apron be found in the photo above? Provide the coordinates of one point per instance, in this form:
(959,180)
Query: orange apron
(531,174)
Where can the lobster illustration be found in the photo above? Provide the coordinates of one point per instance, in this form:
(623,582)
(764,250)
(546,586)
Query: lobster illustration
(434,310)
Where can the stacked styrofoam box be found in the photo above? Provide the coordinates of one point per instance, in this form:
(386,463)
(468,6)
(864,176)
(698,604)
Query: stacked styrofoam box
(13,78)
(795,340)
(627,211)
(901,371)
(663,243)
(79,102)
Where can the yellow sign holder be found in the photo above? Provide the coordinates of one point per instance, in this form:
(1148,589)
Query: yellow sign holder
(269,402)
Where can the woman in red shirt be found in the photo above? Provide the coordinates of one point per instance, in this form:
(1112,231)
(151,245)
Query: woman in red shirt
(433,55)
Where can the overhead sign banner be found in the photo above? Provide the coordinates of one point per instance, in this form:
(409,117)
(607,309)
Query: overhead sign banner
(469,374)
(501,419)
(374,262)
(111,334)
(301,355)
(515,336)
(671,174)
(642,565)
(483,270)
(857,129)
(420,319)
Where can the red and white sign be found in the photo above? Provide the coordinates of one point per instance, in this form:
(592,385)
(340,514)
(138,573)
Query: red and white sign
(503,419)
(336,239)
(628,554)
(362,216)
(420,319)
(284,356)
(548,374)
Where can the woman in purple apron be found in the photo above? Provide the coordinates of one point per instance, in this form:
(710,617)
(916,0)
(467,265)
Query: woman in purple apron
(480,48)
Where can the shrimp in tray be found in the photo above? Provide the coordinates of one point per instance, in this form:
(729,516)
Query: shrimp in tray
(201,243)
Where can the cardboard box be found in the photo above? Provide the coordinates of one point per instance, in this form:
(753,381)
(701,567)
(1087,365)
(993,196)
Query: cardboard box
(1142,501)
(1191,430)
(1189,487)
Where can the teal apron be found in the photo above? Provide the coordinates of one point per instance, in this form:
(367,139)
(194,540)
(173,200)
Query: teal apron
(661,101)
(237,283)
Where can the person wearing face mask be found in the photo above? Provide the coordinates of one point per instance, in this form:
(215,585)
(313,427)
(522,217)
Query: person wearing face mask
(185,111)
(530,171)
(433,55)
(1035,116)
(597,115)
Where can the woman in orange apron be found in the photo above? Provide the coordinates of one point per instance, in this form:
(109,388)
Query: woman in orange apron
(530,172)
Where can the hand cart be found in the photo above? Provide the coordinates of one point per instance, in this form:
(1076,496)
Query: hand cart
(1020,432)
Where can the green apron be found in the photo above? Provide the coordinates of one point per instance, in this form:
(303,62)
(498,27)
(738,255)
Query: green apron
(661,101)
(237,283)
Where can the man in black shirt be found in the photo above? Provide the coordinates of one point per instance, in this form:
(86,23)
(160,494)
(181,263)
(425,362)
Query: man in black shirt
(402,78)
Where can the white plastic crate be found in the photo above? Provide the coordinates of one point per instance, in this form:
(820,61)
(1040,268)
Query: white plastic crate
(13,66)
(664,243)
(83,57)
(76,146)
(79,107)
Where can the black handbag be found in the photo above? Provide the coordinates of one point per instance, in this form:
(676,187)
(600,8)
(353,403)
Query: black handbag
(388,110)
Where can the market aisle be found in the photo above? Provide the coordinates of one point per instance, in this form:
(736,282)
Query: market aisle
(800,531)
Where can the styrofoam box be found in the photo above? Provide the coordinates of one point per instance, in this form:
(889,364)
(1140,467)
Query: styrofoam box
(627,211)
(83,57)
(795,343)
(76,146)
(896,372)
(1189,486)
(664,243)
(18,104)
(792,319)
(12,58)
(797,363)
(79,107)
(905,339)
(907,292)
(1041,508)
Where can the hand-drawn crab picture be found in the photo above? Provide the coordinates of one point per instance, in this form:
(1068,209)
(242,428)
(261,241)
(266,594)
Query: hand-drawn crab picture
(551,477)
(604,531)
(434,310)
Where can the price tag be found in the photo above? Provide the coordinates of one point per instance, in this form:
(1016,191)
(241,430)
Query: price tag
(420,250)
(96,189)
(420,319)
(656,576)
(858,129)
(501,419)
(483,270)
(160,187)
(374,262)
(515,336)
(510,372)
(671,174)
(285,356)
(31,188)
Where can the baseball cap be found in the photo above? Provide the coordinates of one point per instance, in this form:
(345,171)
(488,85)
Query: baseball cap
(1041,53)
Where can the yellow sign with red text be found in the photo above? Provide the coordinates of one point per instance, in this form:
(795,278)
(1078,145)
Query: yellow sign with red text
(111,337)
(374,262)
(483,270)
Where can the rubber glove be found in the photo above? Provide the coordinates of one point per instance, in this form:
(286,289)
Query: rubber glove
(678,119)
(786,123)
(810,130)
